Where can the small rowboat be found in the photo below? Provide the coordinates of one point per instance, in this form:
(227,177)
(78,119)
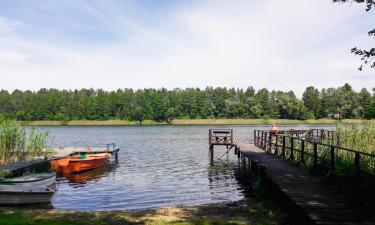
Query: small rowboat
(28,189)
(75,164)
(36,179)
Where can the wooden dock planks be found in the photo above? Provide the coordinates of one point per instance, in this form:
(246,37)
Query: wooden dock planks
(322,203)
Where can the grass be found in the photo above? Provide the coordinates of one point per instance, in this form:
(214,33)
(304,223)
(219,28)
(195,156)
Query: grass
(19,143)
(188,122)
(244,212)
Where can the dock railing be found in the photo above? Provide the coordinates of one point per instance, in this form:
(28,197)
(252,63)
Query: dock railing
(220,136)
(317,150)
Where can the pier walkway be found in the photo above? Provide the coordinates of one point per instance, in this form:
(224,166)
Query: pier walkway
(308,196)
(321,203)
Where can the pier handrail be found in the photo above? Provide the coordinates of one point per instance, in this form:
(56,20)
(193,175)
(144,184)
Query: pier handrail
(220,136)
(316,147)
(111,144)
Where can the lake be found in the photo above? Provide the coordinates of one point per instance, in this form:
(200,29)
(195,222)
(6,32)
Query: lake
(158,166)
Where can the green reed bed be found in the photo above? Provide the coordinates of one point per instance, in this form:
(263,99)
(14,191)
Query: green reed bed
(359,137)
(19,143)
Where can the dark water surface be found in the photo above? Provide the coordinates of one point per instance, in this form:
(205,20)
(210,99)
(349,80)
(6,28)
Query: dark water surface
(158,166)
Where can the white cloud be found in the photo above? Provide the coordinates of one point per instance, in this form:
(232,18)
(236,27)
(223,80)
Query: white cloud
(7,26)
(274,44)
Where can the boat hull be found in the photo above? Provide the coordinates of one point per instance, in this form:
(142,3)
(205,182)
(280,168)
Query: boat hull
(23,196)
(76,164)
(80,166)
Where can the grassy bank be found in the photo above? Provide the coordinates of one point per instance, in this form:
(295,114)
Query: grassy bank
(244,212)
(187,122)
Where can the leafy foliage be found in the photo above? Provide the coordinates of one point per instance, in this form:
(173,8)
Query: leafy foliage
(190,103)
(367,56)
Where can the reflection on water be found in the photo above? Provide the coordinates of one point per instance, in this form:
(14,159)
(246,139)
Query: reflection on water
(84,177)
(157,166)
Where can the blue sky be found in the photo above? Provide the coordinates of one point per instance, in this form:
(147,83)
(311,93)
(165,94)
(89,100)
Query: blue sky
(283,45)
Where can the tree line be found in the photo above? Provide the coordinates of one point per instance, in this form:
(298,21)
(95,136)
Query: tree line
(190,103)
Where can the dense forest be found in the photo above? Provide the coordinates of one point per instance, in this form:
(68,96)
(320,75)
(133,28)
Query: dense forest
(190,103)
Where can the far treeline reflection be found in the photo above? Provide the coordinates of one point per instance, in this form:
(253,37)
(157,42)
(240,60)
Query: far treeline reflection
(189,103)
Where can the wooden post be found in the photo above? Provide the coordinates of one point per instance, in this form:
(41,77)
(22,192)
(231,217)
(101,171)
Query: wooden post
(270,142)
(332,166)
(277,147)
(254,138)
(211,152)
(315,155)
(283,148)
(303,151)
(209,136)
(292,149)
(258,137)
(357,169)
(231,136)
(265,141)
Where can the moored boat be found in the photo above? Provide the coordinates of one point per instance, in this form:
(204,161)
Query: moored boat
(28,189)
(35,179)
(80,163)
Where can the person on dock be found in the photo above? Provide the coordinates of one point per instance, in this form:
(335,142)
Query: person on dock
(273,129)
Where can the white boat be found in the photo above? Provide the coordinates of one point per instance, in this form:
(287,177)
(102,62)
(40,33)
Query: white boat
(28,189)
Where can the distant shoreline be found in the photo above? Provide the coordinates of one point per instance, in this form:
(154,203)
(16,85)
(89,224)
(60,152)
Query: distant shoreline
(186,122)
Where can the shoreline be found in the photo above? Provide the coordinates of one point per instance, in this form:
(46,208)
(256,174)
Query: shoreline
(188,122)
(239,212)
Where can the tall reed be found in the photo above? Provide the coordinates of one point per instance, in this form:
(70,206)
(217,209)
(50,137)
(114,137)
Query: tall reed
(360,137)
(19,143)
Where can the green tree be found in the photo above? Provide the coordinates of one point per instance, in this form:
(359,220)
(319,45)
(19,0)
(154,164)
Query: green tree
(311,100)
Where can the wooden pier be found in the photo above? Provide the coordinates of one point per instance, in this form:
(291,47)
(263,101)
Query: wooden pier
(307,197)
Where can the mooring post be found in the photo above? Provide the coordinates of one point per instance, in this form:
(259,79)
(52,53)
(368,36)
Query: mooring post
(211,151)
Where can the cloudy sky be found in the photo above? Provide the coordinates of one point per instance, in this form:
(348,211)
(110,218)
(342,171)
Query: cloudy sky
(283,45)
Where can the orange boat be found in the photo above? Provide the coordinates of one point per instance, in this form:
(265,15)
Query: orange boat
(74,164)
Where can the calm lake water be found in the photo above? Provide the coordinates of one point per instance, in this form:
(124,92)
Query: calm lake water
(158,166)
